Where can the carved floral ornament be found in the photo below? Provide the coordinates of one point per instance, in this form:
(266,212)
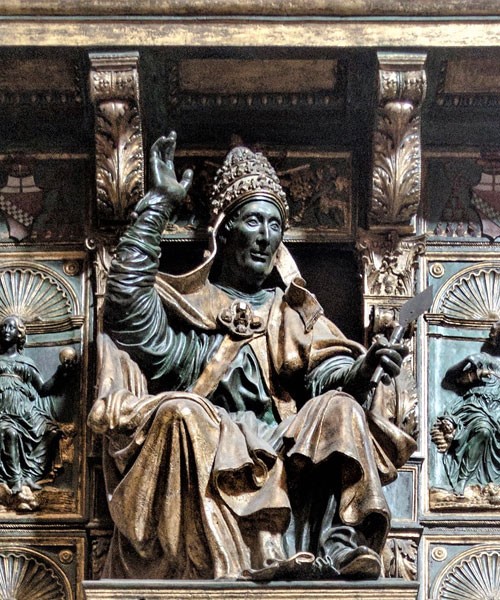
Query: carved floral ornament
(471,296)
(401,85)
(114,76)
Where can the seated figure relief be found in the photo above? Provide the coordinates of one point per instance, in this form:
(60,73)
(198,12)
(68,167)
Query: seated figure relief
(239,439)
(29,432)
(468,431)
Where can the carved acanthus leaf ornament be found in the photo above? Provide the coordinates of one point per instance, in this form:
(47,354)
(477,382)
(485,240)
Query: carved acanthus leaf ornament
(396,141)
(400,559)
(114,84)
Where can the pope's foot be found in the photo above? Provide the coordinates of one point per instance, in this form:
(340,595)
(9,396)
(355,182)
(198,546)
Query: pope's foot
(358,563)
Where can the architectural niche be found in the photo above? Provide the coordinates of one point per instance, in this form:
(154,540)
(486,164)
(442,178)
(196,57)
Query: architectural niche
(25,575)
(474,575)
(470,298)
(39,296)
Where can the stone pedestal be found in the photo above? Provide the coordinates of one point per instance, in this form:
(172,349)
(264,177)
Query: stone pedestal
(388,589)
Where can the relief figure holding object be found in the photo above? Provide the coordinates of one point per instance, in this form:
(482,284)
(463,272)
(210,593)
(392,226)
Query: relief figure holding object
(238,440)
(28,430)
(468,432)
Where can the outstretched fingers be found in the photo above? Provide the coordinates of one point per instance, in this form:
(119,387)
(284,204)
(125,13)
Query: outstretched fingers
(157,148)
(169,150)
(156,159)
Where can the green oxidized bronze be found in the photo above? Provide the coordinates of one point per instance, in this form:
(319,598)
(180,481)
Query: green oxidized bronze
(237,442)
(29,432)
(467,433)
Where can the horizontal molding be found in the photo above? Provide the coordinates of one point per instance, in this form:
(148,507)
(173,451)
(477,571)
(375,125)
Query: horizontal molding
(251,7)
(389,589)
(126,32)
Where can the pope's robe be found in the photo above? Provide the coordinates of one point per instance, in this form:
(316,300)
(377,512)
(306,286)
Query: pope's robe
(244,449)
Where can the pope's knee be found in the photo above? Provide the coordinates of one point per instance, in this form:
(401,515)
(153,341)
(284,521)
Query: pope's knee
(339,403)
(177,409)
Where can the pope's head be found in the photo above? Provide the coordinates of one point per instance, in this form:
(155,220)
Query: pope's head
(248,241)
(248,197)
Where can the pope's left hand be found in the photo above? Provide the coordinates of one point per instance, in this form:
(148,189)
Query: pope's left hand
(386,355)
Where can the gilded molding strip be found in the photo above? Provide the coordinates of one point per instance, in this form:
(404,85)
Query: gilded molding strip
(251,7)
(255,595)
(114,88)
(397,155)
(130,590)
(249,31)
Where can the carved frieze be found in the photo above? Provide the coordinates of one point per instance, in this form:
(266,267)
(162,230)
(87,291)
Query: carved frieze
(235,84)
(469,82)
(114,87)
(396,178)
(318,186)
(40,82)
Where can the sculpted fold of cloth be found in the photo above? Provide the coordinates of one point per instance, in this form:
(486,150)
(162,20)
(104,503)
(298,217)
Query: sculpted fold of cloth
(236,440)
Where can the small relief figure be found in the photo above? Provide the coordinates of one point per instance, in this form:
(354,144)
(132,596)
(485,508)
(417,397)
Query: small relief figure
(28,432)
(468,433)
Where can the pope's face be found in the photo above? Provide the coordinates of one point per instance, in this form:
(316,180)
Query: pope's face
(252,244)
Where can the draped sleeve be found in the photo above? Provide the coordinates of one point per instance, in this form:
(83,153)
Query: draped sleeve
(135,316)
